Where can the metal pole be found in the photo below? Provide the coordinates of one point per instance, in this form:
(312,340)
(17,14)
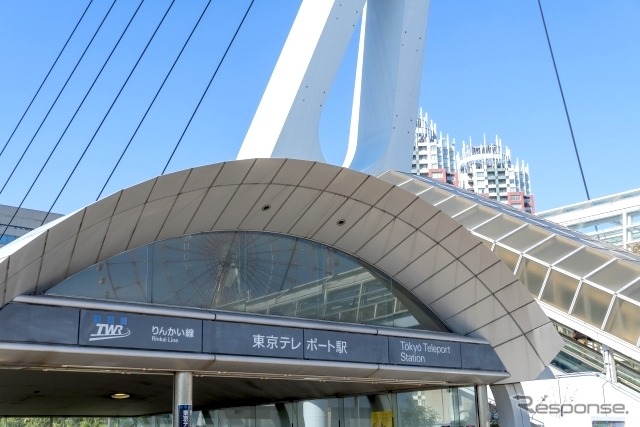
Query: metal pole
(182,398)
(482,399)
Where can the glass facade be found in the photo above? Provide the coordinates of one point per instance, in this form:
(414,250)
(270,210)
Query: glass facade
(253,272)
(452,407)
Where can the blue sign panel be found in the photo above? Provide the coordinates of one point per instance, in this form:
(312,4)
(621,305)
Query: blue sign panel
(138,331)
(109,329)
(345,347)
(480,356)
(37,323)
(424,352)
(184,414)
(256,340)
(295,343)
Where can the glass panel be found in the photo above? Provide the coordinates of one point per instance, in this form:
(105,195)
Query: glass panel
(583,262)
(599,225)
(374,304)
(236,417)
(475,216)
(415,186)
(632,292)
(605,229)
(532,275)
(633,218)
(553,249)
(318,413)
(435,195)
(507,256)
(114,282)
(455,205)
(335,412)
(633,234)
(467,406)
(591,305)
(560,290)
(71,422)
(413,410)
(525,238)
(256,273)
(613,236)
(273,415)
(381,409)
(578,357)
(498,227)
(426,408)
(607,423)
(628,375)
(454,406)
(623,321)
(615,275)
(357,412)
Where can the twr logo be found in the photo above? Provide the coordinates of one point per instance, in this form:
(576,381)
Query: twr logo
(109,330)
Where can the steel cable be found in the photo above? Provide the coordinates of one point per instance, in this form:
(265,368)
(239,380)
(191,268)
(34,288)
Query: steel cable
(57,97)
(208,86)
(104,118)
(135,132)
(72,117)
(45,78)
(564,102)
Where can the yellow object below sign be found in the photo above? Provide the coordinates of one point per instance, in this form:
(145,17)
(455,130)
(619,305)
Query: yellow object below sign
(382,419)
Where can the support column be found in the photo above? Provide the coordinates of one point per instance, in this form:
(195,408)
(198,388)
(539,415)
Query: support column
(182,398)
(511,404)
(314,412)
(609,364)
(482,400)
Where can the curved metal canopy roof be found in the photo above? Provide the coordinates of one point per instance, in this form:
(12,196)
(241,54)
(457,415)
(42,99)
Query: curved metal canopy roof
(405,236)
(581,282)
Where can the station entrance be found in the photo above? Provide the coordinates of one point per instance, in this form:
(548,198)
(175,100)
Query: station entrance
(270,289)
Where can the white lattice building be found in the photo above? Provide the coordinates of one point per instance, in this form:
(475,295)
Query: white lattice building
(434,155)
(487,169)
(484,169)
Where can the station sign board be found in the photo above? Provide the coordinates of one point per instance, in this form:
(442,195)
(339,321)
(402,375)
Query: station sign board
(139,331)
(112,329)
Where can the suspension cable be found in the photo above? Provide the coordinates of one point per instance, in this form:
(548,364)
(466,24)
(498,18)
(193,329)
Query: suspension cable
(46,77)
(208,86)
(104,118)
(56,99)
(72,118)
(564,102)
(166,77)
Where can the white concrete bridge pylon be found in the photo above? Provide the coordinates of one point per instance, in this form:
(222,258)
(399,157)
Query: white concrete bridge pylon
(387,83)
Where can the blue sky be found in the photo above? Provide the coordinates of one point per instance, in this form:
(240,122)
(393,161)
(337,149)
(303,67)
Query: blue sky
(487,72)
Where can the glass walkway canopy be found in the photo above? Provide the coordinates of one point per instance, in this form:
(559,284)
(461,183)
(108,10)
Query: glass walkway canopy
(589,285)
